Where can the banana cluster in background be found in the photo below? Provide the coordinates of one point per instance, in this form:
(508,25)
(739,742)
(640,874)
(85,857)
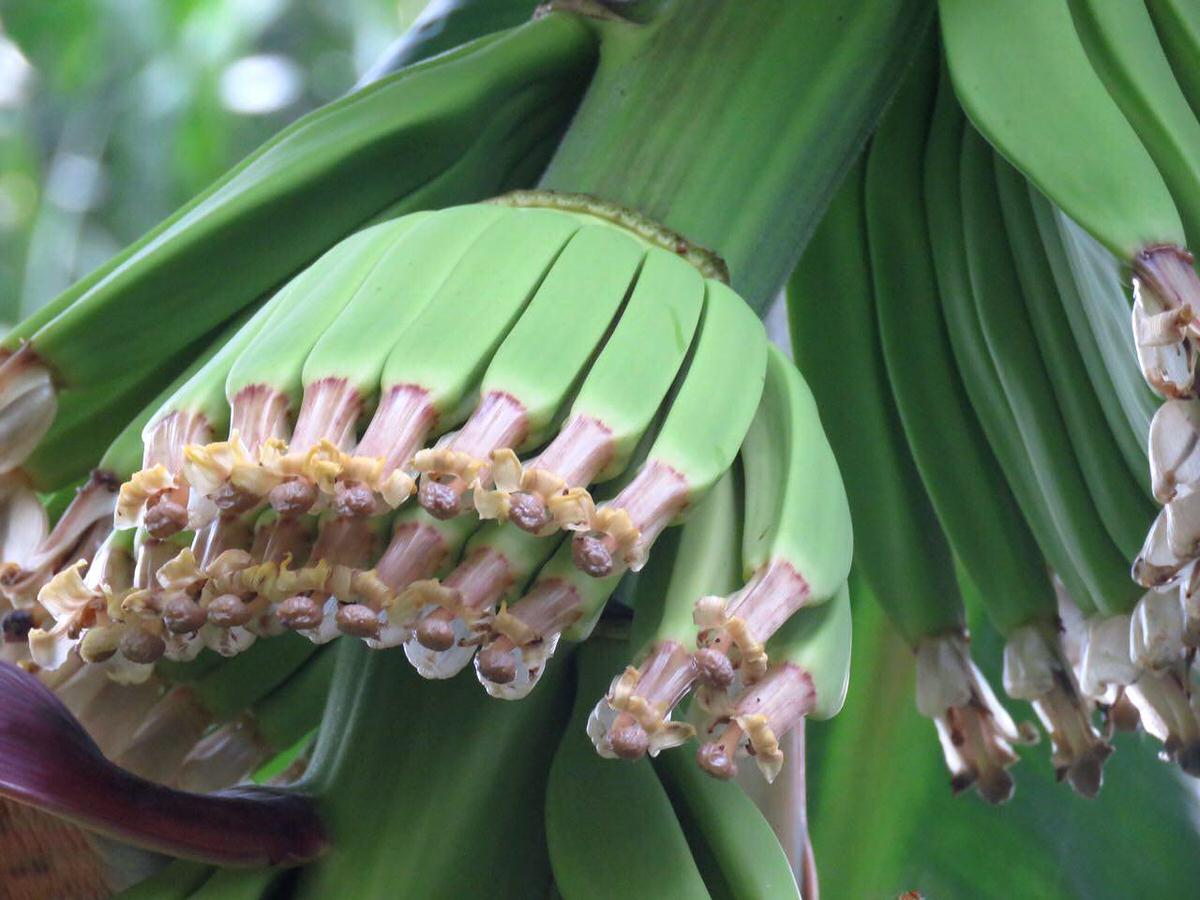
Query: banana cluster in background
(384,384)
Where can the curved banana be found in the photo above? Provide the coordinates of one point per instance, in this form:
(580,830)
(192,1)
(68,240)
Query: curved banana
(341,372)
(797,540)
(1125,51)
(539,363)
(1024,78)
(808,677)
(902,552)
(428,381)
(615,406)
(629,813)
(634,717)
(705,423)
(959,469)
(1177,23)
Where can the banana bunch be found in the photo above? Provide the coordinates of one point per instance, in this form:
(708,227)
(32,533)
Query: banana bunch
(338,466)
(1114,188)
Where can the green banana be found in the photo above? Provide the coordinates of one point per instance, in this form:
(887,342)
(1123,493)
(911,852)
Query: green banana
(1120,40)
(958,468)
(561,604)
(633,718)
(808,677)
(1010,340)
(1178,25)
(628,811)
(428,378)
(539,363)
(797,540)
(902,551)
(421,547)
(1088,280)
(1024,78)
(705,423)
(324,175)
(263,386)
(1123,506)
(341,372)
(732,843)
(615,405)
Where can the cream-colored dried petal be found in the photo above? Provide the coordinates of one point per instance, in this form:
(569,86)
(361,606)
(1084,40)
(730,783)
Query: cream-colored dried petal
(137,492)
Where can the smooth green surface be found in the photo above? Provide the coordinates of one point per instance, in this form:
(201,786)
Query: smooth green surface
(818,640)
(1124,507)
(562,329)
(610,826)
(949,448)
(796,509)
(898,542)
(1023,77)
(447,348)
(943,207)
(1007,333)
(357,342)
(712,409)
(635,369)
(1120,40)
(308,305)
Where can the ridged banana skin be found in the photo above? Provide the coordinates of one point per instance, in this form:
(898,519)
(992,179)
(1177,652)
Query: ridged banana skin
(1123,504)
(308,305)
(1125,51)
(1178,25)
(1004,322)
(943,206)
(899,544)
(548,350)
(617,809)
(447,348)
(962,477)
(237,884)
(1025,81)
(796,508)
(711,412)
(294,708)
(321,176)
(729,837)
(1125,509)
(407,276)
(625,387)
(818,640)
(1105,346)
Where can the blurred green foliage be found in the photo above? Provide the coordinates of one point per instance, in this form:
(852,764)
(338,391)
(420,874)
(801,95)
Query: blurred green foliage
(114,112)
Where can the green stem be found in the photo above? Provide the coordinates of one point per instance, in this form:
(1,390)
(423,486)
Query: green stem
(733,122)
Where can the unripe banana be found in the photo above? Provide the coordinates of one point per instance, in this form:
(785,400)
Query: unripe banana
(902,551)
(614,407)
(702,558)
(705,423)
